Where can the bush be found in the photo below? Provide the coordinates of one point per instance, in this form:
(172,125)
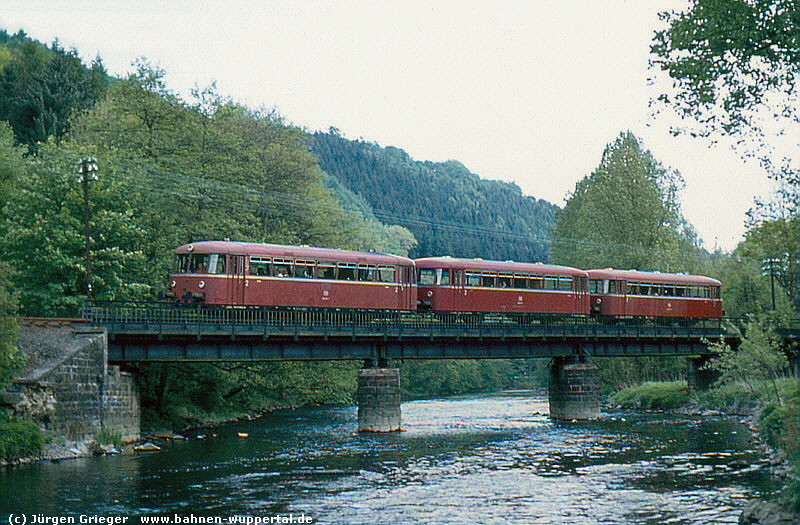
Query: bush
(665,395)
(19,439)
(729,397)
(779,424)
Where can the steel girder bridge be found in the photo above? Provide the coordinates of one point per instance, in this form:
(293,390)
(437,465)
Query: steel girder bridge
(168,333)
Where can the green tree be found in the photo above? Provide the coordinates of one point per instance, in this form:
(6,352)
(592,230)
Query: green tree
(733,70)
(759,358)
(41,88)
(42,225)
(10,361)
(729,60)
(625,214)
(776,241)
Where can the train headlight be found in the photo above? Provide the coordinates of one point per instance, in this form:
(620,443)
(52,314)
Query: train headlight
(172,284)
(430,293)
(201,284)
(598,300)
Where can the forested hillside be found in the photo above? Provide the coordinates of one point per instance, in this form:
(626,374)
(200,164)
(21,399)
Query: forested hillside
(450,210)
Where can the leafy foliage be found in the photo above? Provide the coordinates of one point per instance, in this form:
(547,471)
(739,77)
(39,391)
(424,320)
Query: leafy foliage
(10,362)
(457,376)
(19,439)
(733,68)
(760,357)
(725,58)
(625,214)
(777,240)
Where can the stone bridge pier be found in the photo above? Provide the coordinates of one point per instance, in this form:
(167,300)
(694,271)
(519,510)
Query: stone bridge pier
(574,389)
(378,398)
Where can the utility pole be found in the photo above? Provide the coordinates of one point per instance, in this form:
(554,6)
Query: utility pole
(87,170)
(768,268)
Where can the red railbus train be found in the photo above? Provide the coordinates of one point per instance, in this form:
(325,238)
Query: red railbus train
(250,274)
(228,273)
(630,293)
(447,284)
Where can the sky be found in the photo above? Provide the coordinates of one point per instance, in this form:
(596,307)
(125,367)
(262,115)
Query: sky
(526,91)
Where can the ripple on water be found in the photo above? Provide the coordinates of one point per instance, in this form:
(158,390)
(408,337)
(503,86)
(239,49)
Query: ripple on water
(471,459)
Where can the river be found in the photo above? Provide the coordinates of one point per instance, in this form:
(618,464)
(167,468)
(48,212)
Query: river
(491,458)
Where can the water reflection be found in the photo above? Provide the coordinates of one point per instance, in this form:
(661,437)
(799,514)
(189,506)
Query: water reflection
(484,459)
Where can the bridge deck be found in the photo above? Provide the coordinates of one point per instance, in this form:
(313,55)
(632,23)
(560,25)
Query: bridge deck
(203,334)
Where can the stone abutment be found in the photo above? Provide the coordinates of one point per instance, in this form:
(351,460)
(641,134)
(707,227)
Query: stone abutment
(68,387)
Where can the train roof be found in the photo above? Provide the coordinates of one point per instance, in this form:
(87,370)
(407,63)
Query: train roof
(300,252)
(636,275)
(497,266)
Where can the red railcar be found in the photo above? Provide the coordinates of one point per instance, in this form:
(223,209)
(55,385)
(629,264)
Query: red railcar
(447,284)
(249,274)
(621,293)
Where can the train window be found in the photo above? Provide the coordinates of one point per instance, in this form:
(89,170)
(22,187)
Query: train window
(551,283)
(595,286)
(473,279)
(181,264)
(386,274)
(579,284)
(488,279)
(680,291)
(259,266)
(434,276)
(211,263)
(347,271)
(536,283)
(520,281)
(282,268)
(427,276)
(325,270)
(565,284)
(304,268)
(504,280)
(612,287)
(366,272)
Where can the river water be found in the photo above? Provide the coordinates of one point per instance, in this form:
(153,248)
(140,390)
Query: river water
(494,458)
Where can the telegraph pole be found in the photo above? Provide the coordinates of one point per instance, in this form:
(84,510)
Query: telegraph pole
(87,170)
(769,266)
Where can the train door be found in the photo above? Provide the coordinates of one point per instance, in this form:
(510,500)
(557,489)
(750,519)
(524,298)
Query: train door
(458,289)
(408,292)
(580,295)
(237,281)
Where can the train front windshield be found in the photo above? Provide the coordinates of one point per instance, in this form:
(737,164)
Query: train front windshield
(206,263)
(435,277)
